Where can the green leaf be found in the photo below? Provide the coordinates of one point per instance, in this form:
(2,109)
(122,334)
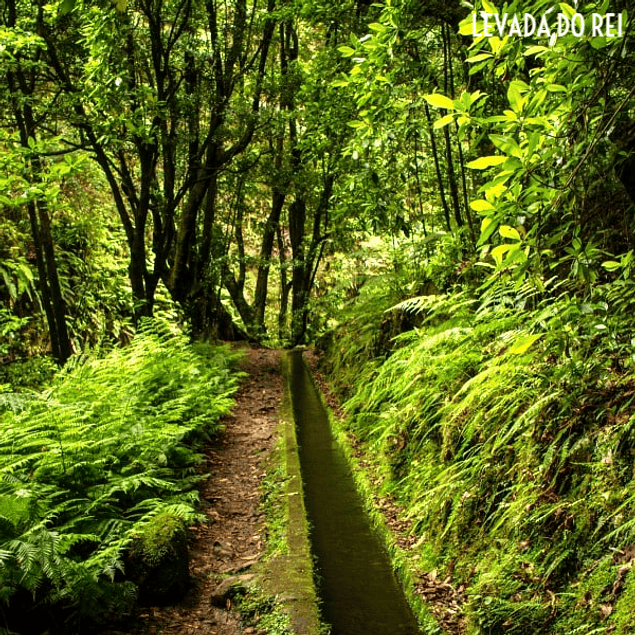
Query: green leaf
(467,28)
(346,51)
(567,9)
(513,164)
(611,265)
(495,119)
(485,162)
(439,101)
(376,26)
(499,251)
(66,6)
(489,7)
(532,142)
(494,190)
(488,225)
(534,50)
(444,121)
(475,68)
(598,42)
(467,99)
(495,44)
(479,58)
(506,144)
(509,232)
(481,205)
(523,343)
(516,100)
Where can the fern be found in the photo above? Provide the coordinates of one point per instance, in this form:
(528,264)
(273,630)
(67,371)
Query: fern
(111,444)
(506,429)
(16,401)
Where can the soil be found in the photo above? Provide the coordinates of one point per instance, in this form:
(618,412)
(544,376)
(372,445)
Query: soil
(234,537)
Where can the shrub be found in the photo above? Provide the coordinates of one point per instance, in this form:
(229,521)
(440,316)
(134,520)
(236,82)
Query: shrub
(86,466)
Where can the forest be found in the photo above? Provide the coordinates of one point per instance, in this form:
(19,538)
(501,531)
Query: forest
(437,202)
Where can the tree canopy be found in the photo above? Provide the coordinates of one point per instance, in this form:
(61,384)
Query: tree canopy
(240,147)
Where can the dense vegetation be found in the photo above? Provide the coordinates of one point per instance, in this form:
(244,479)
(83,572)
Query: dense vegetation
(508,441)
(87,464)
(452,213)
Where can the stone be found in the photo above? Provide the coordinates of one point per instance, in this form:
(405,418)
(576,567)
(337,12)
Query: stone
(229,588)
(158,561)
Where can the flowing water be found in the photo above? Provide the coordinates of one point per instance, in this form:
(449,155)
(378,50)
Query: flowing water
(358,590)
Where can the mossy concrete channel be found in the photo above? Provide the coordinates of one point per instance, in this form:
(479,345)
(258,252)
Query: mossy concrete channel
(290,576)
(335,560)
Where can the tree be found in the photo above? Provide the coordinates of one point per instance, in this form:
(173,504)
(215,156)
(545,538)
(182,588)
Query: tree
(165,95)
(30,110)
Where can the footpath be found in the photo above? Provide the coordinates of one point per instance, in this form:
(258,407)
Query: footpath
(233,539)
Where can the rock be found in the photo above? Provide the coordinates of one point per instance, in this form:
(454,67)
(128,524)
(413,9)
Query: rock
(229,588)
(220,551)
(158,562)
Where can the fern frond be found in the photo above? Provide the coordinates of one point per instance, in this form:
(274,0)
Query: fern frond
(17,401)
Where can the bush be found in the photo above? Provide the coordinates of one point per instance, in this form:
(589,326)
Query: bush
(86,466)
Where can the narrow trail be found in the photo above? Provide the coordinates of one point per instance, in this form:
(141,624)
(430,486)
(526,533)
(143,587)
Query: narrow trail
(233,538)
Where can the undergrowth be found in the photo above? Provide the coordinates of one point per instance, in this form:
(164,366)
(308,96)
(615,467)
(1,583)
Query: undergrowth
(87,464)
(264,612)
(508,435)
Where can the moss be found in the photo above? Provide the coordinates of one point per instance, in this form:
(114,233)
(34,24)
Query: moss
(159,560)
(259,609)
(159,534)
(624,614)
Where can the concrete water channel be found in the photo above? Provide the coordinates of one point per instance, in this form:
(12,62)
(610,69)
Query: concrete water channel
(357,589)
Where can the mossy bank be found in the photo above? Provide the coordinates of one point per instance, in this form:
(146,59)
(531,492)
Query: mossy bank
(509,454)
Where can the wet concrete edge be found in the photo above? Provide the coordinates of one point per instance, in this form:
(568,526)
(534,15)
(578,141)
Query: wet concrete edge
(290,576)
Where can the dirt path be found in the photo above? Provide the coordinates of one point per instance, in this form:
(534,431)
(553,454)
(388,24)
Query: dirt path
(233,539)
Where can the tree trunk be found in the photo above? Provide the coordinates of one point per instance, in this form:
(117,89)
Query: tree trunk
(51,295)
(22,85)
(437,168)
(297,220)
(285,287)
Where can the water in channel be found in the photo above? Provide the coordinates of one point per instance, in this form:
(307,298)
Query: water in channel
(357,587)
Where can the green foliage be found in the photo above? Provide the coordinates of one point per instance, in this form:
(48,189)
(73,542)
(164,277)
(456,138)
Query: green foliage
(109,447)
(30,373)
(257,608)
(362,341)
(550,171)
(508,437)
